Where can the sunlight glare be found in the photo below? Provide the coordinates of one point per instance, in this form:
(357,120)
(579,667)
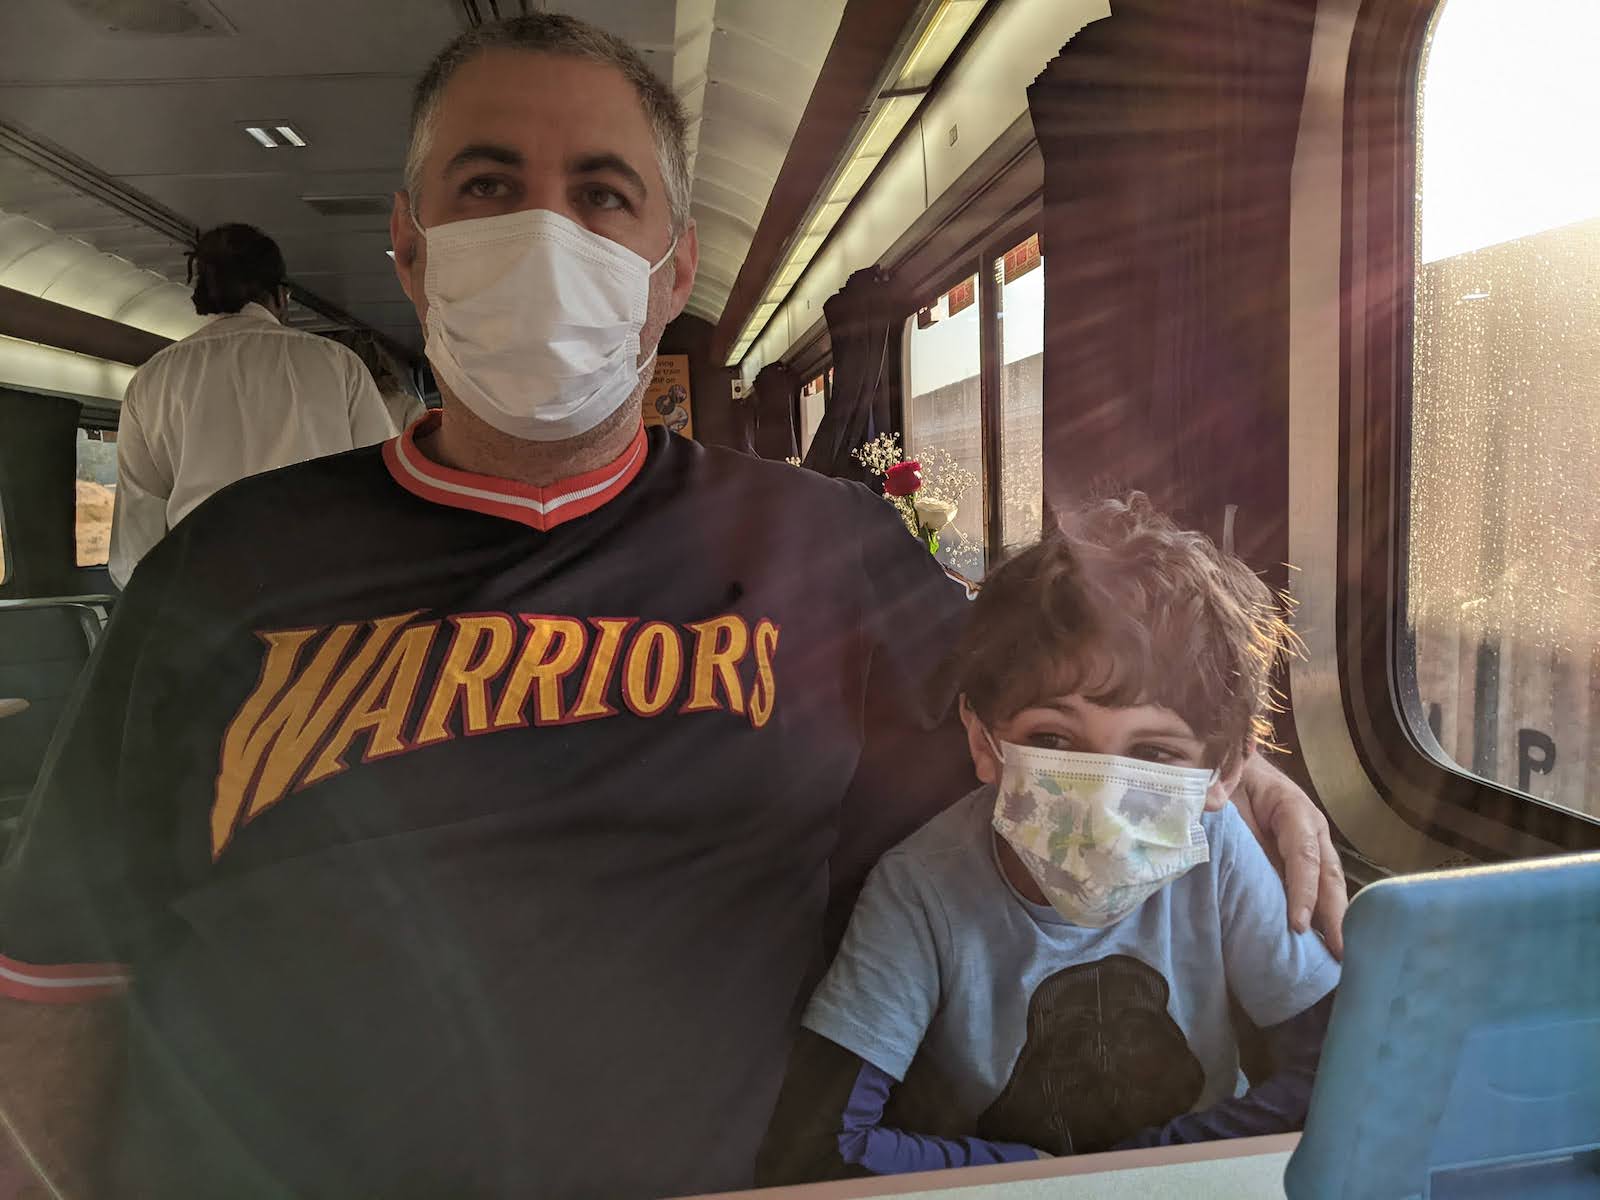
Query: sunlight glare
(1509,110)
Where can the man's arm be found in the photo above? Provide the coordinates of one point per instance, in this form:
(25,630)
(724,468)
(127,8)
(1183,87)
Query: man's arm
(1295,835)
(139,512)
(370,421)
(914,761)
(60,1070)
(85,882)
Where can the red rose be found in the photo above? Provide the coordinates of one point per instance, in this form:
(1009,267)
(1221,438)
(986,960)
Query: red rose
(903,479)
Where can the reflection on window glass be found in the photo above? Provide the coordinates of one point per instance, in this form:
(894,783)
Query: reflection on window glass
(944,409)
(813,399)
(1020,274)
(1503,571)
(97,489)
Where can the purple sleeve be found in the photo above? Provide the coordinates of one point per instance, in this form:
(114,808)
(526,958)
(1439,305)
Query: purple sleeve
(866,1143)
(829,1125)
(1277,1105)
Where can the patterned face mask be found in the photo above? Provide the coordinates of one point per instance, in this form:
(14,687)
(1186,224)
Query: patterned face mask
(1100,834)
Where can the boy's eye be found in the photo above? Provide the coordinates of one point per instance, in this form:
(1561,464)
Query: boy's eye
(1050,741)
(1157,754)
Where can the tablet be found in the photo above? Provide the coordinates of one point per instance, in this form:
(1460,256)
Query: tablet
(1463,1056)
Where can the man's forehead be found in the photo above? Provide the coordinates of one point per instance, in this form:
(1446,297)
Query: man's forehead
(537,95)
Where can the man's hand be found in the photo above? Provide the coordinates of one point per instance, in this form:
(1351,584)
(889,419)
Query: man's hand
(1294,833)
(60,1082)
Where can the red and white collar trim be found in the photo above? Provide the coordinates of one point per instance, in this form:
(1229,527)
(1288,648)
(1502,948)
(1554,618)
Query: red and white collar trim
(541,508)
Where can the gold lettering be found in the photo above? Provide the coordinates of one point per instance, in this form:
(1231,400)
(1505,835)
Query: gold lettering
(719,645)
(382,706)
(764,693)
(283,719)
(653,669)
(602,667)
(478,653)
(549,653)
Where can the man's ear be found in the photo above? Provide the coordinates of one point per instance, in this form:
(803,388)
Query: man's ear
(405,239)
(983,759)
(685,261)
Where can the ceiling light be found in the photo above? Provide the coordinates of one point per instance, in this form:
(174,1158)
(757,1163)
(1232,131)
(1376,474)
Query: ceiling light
(947,25)
(270,135)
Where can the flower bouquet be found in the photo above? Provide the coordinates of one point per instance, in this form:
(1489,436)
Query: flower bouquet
(926,492)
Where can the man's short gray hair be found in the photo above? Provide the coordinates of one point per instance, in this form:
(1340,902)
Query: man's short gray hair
(556,33)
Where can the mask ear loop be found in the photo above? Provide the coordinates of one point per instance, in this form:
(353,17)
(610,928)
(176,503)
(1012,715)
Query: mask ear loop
(662,261)
(994,747)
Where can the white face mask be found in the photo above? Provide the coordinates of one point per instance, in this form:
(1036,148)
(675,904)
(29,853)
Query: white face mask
(534,321)
(1100,834)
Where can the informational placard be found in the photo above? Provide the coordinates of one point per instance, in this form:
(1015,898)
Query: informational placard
(667,401)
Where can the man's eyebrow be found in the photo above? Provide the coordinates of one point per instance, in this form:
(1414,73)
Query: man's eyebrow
(484,152)
(591,164)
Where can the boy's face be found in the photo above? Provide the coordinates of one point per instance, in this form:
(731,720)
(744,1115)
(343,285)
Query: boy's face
(1144,731)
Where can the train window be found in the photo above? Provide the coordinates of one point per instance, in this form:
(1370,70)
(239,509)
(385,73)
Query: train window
(813,400)
(97,484)
(1502,572)
(1020,276)
(944,407)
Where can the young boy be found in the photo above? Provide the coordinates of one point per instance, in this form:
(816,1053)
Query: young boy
(1047,967)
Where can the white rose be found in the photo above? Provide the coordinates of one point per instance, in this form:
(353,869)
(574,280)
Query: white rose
(935,513)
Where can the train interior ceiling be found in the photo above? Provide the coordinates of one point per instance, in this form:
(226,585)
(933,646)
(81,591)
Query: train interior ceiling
(1057,245)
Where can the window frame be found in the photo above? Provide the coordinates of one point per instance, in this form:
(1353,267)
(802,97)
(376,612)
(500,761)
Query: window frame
(1485,819)
(978,258)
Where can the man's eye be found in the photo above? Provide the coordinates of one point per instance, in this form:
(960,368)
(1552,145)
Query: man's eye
(484,187)
(603,198)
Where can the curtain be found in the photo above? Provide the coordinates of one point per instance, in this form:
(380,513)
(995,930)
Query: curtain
(1168,134)
(864,324)
(777,396)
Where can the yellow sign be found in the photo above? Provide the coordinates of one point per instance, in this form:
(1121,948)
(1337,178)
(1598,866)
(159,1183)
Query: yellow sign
(667,399)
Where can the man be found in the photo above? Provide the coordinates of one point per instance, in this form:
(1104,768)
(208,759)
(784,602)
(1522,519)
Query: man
(241,395)
(466,813)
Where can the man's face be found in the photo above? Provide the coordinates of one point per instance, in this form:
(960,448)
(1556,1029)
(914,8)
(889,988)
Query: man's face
(516,130)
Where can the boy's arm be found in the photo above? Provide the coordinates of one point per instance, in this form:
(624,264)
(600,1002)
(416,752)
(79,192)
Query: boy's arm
(1277,1105)
(1283,980)
(829,1125)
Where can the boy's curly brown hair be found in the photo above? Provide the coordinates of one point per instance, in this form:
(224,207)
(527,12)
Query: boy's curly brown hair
(1123,607)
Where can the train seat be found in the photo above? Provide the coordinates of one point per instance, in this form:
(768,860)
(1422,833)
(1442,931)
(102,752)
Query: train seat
(43,647)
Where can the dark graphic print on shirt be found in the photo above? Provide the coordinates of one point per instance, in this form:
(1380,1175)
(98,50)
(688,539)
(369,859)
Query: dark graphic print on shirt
(1102,1060)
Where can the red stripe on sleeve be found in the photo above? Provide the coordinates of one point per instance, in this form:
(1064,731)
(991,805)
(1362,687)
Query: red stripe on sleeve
(67,983)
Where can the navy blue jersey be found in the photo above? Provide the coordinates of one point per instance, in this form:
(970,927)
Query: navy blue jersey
(461,838)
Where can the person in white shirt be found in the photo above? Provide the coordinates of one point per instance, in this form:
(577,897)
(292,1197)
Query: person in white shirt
(242,395)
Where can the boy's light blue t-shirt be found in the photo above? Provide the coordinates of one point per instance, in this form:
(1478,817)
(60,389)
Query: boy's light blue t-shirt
(942,954)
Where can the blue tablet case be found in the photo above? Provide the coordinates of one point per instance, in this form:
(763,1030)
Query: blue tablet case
(1463,1057)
